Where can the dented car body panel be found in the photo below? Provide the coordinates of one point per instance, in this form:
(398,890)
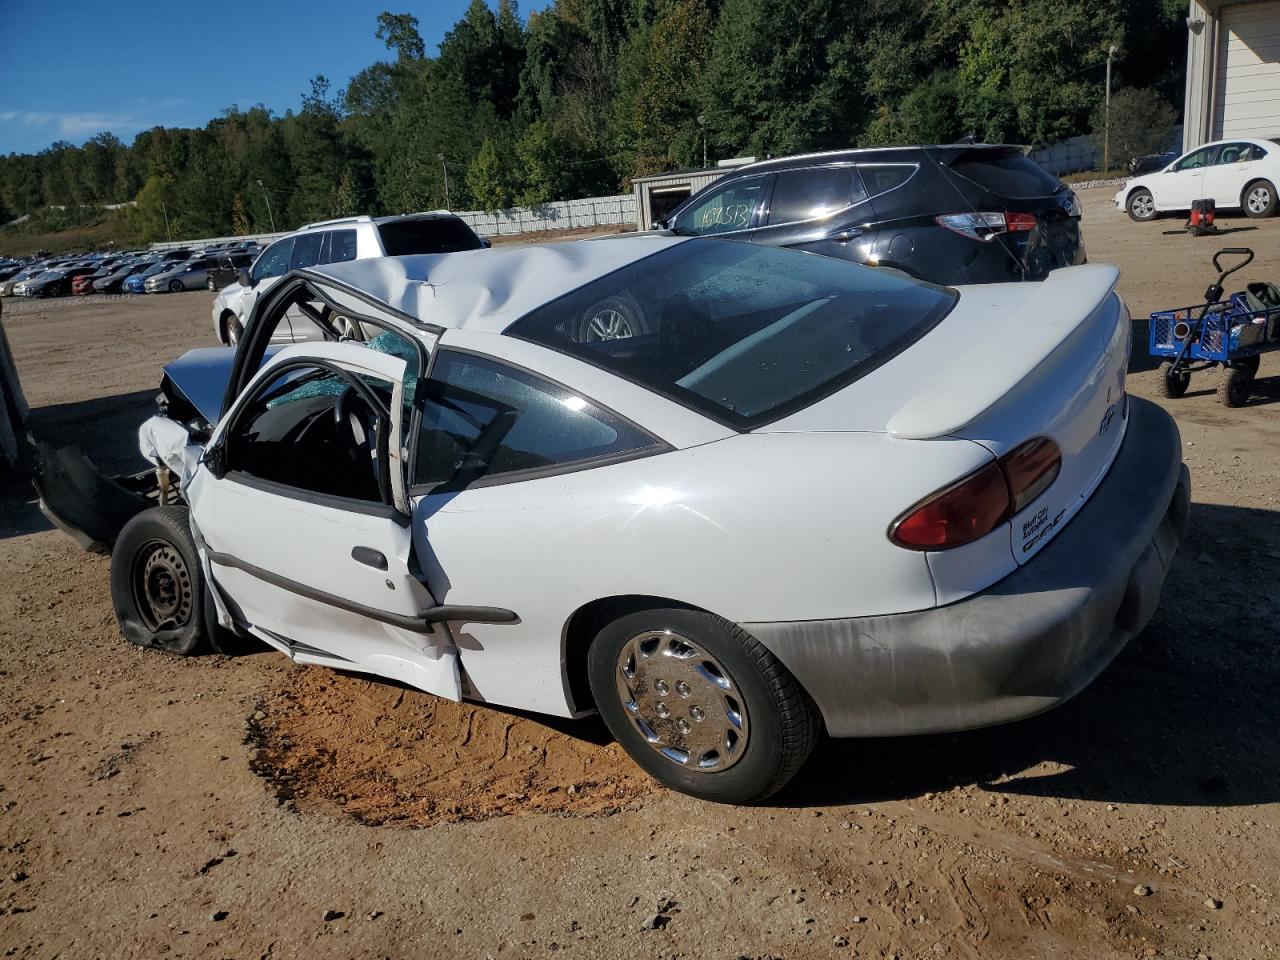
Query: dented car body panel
(467,544)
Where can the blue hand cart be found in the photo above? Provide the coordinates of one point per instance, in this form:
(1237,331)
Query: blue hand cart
(1231,334)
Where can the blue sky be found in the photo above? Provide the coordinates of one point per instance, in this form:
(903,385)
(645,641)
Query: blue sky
(72,68)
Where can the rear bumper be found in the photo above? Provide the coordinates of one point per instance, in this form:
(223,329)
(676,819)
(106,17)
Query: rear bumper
(1028,643)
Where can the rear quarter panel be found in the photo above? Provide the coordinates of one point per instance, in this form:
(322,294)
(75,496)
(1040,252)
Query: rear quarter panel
(759,527)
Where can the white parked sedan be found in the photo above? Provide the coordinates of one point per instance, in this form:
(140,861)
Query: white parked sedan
(802,493)
(1232,173)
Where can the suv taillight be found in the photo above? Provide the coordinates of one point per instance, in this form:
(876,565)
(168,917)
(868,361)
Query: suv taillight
(973,506)
(984,226)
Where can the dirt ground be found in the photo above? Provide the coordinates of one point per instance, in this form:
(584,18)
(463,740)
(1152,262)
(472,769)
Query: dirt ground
(241,807)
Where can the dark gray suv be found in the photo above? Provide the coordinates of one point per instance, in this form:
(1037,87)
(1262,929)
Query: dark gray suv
(962,213)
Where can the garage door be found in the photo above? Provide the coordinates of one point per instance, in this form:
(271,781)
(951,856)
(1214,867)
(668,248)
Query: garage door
(1248,84)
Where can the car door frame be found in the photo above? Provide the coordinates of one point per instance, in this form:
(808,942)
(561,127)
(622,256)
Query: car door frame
(248,372)
(757,215)
(1237,172)
(829,234)
(1165,198)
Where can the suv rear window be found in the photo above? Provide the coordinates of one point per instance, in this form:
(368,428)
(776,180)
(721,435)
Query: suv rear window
(429,235)
(744,333)
(1007,174)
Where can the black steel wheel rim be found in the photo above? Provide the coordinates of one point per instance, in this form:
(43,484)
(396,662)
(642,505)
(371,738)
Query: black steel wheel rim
(163,591)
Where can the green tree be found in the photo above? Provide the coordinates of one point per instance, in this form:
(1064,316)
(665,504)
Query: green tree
(239,217)
(1141,123)
(489,179)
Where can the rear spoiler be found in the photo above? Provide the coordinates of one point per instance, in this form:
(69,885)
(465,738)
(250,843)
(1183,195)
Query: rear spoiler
(1004,351)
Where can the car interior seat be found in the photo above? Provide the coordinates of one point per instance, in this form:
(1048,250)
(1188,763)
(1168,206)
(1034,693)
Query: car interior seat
(1230,155)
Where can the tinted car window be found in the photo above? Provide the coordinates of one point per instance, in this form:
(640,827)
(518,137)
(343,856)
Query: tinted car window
(1236,153)
(743,332)
(1197,159)
(728,207)
(430,235)
(306,250)
(812,193)
(484,419)
(1007,174)
(339,246)
(274,261)
(881,177)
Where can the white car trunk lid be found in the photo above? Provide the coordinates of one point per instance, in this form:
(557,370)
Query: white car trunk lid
(1011,362)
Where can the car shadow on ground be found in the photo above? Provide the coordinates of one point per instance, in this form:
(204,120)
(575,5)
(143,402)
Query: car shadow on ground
(104,429)
(1187,715)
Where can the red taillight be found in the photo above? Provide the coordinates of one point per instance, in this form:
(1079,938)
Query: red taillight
(1019,222)
(988,224)
(1030,469)
(961,513)
(972,507)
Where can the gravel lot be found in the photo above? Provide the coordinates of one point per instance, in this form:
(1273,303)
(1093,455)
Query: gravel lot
(242,807)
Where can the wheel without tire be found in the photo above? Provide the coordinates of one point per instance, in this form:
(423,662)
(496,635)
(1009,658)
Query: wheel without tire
(1141,205)
(175,286)
(157,588)
(1259,199)
(1172,383)
(1235,385)
(701,705)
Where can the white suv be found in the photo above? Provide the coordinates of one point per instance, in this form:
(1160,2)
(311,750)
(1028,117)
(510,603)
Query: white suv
(332,241)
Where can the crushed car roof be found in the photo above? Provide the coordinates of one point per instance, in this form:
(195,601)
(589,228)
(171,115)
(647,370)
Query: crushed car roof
(488,290)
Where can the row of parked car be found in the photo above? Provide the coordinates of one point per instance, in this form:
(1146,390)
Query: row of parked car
(166,271)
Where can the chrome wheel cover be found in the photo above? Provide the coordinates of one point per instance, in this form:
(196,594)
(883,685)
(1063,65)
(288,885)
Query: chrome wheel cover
(608,324)
(1259,199)
(1144,205)
(682,701)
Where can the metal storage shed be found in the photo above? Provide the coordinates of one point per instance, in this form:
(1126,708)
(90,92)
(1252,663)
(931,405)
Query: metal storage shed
(660,193)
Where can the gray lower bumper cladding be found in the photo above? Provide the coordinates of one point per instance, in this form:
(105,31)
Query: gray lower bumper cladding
(1024,645)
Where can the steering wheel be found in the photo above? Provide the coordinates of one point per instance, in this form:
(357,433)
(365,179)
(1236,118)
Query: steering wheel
(355,421)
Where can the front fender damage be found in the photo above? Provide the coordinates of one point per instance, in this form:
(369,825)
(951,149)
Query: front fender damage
(91,507)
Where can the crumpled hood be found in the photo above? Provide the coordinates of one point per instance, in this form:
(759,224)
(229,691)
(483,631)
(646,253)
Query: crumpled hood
(200,376)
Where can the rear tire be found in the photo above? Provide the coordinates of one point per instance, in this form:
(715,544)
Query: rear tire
(232,330)
(1259,199)
(730,724)
(1141,205)
(157,587)
(1172,383)
(613,318)
(1235,385)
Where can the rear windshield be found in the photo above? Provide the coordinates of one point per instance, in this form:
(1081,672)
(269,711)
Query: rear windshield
(741,332)
(1007,174)
(446,235)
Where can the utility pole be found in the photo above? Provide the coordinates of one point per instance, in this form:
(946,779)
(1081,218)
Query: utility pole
(440,157)
(1106,116)
(702,126)
(267,197)
(167,232)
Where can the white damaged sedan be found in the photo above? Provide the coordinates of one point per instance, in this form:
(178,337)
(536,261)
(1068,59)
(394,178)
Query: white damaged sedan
(725,494)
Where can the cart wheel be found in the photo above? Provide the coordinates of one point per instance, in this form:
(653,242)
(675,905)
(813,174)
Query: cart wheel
(1251,363)
(1235,386)
(1173,382)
